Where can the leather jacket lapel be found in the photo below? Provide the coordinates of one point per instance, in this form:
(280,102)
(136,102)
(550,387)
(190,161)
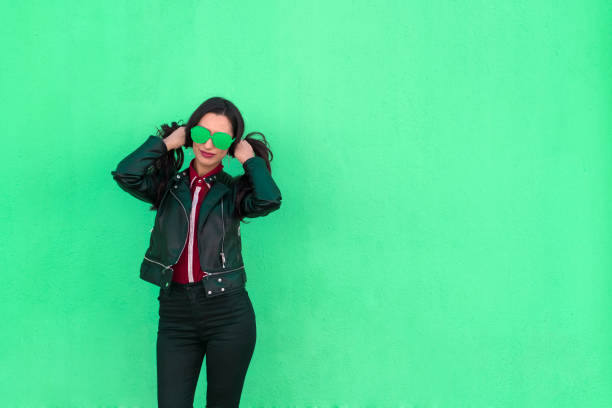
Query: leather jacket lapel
(183,193)
(217,191)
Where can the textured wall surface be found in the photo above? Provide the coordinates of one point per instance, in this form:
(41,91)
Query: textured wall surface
(444,238)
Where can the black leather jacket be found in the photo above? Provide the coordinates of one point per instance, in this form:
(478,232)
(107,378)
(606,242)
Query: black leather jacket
(218,228)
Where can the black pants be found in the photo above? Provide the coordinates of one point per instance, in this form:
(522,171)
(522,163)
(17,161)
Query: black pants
(191,326)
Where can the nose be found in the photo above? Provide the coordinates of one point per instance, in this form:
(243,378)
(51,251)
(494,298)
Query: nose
(209,144)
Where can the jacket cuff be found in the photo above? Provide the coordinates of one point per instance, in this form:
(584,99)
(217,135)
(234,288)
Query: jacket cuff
(156,140)
(253,162)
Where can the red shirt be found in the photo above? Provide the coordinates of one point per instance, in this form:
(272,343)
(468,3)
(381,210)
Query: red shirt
(187,268)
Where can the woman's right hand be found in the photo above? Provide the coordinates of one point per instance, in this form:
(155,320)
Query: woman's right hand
(176,139)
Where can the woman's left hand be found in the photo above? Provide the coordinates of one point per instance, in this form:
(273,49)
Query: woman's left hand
(243,151)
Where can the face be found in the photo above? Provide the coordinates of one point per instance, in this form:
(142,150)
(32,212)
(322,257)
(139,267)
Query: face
(215,123)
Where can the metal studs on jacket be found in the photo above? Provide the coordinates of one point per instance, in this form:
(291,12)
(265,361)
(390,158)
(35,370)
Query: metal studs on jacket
(136,174)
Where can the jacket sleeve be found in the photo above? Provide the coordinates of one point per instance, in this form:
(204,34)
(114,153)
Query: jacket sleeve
(265,197)
(136,172)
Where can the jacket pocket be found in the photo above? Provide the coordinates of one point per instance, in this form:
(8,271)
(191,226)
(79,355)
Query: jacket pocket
(220,283)
(155,272)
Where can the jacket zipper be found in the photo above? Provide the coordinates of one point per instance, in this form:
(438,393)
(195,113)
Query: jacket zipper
(159,263)
(218,273)
(223,237)
(185,243)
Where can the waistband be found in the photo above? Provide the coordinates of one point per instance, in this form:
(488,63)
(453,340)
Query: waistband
(185,286)
(214,285)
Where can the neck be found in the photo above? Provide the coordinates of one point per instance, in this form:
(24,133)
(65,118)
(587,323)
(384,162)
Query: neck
(203,170)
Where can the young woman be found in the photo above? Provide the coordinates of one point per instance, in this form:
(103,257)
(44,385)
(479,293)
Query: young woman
(194,253)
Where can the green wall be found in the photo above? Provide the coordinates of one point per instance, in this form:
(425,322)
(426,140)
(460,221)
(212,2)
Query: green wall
(444,239)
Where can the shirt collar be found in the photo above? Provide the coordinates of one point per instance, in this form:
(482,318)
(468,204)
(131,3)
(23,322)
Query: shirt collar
(207,178)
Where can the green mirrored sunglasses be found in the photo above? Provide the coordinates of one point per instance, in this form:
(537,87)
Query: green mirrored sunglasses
(221,140)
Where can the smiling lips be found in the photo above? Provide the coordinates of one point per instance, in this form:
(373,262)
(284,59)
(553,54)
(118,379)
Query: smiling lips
(206,154)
